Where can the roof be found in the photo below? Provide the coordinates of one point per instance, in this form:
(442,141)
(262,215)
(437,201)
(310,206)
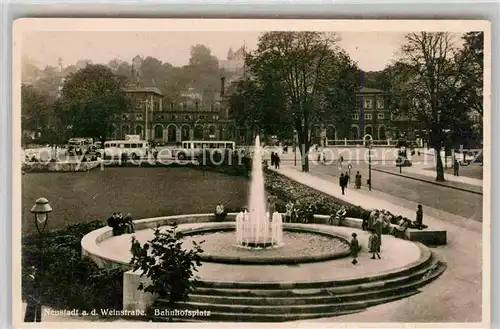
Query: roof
(153,90)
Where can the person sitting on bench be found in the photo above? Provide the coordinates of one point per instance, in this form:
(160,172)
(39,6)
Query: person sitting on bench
(116,224)
(220,213)
(400,230)
(128,223)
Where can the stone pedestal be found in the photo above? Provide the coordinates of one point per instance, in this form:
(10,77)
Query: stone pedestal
(134,299)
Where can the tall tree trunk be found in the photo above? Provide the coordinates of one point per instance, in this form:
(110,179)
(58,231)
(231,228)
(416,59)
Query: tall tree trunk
(439,165)
(304,152)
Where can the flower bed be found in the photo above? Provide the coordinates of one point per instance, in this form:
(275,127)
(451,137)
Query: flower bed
(52,166)
(308,201)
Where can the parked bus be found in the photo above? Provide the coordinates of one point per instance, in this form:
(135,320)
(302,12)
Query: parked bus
(193,149)
(79,145)
(134,149)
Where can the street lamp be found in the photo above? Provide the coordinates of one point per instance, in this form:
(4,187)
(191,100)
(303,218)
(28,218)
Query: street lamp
(41,210)
(369,144)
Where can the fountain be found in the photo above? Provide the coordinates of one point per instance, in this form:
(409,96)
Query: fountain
(256,228)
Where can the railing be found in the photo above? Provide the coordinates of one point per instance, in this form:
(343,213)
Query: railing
(360,142)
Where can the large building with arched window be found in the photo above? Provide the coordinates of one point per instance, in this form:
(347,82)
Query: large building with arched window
(151,117)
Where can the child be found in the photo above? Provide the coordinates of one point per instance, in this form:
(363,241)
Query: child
(354,247)
(374,245)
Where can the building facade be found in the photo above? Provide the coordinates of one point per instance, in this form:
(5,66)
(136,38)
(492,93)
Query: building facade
(151,117)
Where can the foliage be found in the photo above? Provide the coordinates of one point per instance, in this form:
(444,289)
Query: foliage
(307,200)
(303,77)
(35,109)
(91,101)
(170,267)
(67,280)
(434,91)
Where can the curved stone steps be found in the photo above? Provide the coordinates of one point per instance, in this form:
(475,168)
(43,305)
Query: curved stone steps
(278,302)
(297,312)
(329,290)
(323,297)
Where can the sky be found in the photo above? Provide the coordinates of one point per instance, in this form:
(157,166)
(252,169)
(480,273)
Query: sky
(371,50)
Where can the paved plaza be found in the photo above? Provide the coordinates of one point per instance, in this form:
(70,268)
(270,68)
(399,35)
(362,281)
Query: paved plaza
(442,300)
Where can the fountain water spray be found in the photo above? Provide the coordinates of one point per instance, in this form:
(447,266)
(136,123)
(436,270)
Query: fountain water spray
(257,228)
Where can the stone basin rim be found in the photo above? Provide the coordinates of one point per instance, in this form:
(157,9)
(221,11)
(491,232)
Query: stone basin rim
(91,248)
(277,260)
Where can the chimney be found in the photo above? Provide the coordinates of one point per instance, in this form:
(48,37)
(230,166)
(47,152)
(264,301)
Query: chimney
(222,81)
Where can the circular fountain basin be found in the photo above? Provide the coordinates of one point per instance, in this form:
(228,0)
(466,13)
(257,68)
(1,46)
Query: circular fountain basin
(299,246)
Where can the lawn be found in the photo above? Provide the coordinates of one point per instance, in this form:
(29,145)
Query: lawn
(144,192)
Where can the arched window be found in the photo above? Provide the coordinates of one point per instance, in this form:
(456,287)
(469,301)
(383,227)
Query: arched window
(353,133)
(138,130)
(158,132)
(172,134)
(198,132)
(368,130)
(185,133)
(381,133)
(330,132)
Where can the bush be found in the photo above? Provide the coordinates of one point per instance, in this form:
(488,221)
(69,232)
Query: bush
(170,267)
(69,281)
(307,199)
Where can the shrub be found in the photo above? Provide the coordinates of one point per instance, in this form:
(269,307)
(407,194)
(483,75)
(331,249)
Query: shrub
(306,198)
(67,280)
(167,264)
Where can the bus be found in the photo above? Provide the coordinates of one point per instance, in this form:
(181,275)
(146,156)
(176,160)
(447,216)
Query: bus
(193,149)
(79,146)
(134,149)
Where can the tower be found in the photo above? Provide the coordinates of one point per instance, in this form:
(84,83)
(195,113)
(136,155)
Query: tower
(136,70)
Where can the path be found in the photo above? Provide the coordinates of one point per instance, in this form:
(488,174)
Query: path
(457,202)
(455,297)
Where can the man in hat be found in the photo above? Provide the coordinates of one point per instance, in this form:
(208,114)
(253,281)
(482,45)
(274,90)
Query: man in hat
(354,248)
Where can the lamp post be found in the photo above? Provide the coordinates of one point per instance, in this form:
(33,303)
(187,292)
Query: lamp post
(41,210)
(369,142)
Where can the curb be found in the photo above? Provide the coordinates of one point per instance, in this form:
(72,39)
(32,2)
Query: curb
(429,181)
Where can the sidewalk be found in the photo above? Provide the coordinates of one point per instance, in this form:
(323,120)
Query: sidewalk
(459,179)
(441,301)
(422,175)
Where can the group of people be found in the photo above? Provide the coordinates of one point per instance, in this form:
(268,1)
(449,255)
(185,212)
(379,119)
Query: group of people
(275,160)
(121,224)
(374,243)
(344,181)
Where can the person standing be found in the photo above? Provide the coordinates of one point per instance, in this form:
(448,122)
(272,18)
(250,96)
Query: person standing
(341,183)
(277,161)
(358,180)
(420,217)
(271,206)
(272,159)
(374,244)
(354,248)
(456,167)
(378,226)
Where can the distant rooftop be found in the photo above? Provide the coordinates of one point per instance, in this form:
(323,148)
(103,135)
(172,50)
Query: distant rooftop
(144,90)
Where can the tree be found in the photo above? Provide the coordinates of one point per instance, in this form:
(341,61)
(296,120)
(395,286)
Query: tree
(471,59)
(170,267)
(340,96)
(434,91)
(303,66)
(259,108)
(91,101)
(35,110)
